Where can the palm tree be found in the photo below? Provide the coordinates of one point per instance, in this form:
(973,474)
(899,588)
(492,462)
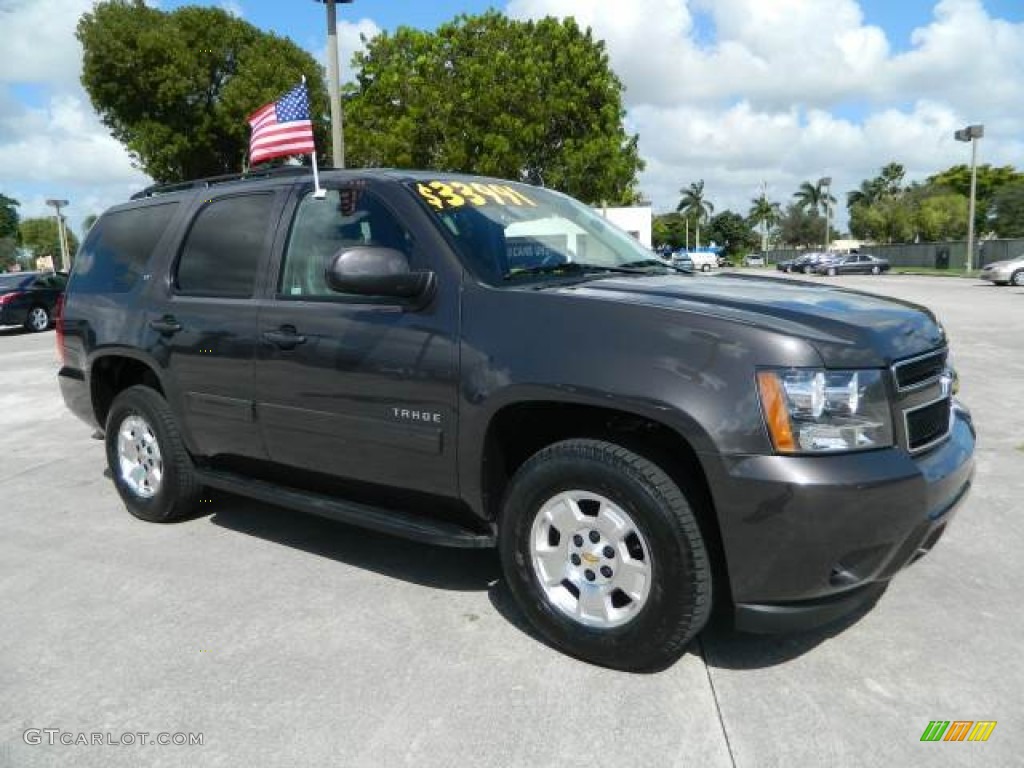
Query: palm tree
(868,193)
(765,213)
(813,197)
(692,204)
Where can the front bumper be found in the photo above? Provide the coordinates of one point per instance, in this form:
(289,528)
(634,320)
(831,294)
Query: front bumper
(809,539)
(995,276)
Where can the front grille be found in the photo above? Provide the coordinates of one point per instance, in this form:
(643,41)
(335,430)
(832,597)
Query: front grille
(918,371)
(928,424)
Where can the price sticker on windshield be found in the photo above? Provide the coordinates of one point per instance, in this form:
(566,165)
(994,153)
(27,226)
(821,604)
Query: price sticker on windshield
(446,195)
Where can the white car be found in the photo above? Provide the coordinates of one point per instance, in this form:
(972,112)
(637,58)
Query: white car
(1003,272)
(704,261)
(755,260)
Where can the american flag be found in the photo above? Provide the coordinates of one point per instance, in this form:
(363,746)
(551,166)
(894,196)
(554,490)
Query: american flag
(282,127)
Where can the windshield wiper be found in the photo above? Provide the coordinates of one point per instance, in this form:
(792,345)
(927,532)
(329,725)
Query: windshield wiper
(658,263)
(570,268)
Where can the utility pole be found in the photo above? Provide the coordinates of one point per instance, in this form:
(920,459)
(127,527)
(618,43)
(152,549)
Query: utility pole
(61,235)
(334,84)
(825,185)
(971,133)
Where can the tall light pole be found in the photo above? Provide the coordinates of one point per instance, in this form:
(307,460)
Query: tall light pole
(61,235)
(825,184)
(971,133)
(334,84)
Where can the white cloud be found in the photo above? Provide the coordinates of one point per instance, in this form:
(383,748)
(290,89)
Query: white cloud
(233,7)
(352,39)
(39,44)
(791,90)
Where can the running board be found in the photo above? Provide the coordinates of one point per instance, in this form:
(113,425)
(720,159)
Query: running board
(403,524)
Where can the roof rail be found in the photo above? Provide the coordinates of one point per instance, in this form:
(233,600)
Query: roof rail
(209,181)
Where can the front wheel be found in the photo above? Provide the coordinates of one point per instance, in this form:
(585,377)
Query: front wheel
(152,470)
(876,270)
(1017,278)
(605,556)
(832,271)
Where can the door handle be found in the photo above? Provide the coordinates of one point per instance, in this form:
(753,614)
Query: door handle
(166,325)
(285,338)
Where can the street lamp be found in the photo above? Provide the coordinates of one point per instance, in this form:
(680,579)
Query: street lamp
(825,184)
(61,234)
(971,133)
(334,83)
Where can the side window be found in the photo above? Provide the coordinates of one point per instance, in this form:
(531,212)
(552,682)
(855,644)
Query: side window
(117,250)
(346,218)
(222,250)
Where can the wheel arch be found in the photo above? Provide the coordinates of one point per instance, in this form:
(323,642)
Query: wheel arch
(112,372)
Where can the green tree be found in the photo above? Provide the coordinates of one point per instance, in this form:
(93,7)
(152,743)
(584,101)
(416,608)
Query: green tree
(990,180)
(9,235)
(732,231)
(799,227)
(814,197)
(765,214)
(694,204)
(1008,206)
(176,88)
(41,238)
(535,101)
(669,230)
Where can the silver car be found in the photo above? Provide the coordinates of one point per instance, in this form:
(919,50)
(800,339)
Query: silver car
(1003,272)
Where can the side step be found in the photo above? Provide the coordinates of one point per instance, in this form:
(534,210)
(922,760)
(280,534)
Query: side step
(403,524)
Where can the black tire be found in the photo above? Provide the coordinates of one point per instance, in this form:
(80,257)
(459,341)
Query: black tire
(1017,278)
(832,272)
(679,600)
(178,489)
(705,268)
(33,320)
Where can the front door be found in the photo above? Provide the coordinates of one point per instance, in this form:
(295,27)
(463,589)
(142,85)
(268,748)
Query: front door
(346,385)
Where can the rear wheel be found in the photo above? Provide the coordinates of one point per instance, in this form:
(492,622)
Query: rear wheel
(37,319)
(832,271)
(705,268)
(875,270)
(152,471)
(604,555)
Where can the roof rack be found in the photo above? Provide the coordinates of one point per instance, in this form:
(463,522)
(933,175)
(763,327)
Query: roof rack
(209,181)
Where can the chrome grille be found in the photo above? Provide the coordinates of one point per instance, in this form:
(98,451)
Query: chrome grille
(928,424)
(919,371)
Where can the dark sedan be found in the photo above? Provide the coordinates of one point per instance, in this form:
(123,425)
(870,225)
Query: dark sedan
(802,264)
(29,298)
(853,264)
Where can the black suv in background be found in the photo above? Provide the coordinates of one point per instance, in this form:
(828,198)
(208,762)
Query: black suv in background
(472,362)
(30,298)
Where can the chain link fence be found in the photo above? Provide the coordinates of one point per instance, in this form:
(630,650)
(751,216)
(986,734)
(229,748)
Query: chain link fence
(943,255)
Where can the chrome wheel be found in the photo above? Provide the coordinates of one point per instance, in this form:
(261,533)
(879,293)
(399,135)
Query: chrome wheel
(1018,278)
(139,460)
(38,320)
(590,559)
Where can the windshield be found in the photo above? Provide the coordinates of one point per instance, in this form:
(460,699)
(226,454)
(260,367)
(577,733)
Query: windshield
(509,232)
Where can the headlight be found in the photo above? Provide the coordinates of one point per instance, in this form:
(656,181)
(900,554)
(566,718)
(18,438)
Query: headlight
(821,411)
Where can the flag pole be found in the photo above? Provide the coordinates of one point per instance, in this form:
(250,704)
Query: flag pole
(318,192)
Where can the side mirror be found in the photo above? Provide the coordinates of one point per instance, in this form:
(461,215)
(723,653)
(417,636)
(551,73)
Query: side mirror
(375,271)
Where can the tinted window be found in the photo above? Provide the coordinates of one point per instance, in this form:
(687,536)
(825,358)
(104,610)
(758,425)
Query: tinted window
(117,250)
(7,282)
(222,251)
(346,218)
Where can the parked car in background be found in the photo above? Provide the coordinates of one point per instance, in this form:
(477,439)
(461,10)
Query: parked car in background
(1004,272)
(29,298)
(754,260)
(705,261)
(851,264)
(682,260)
(800,263)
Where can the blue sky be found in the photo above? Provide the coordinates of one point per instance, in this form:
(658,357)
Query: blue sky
(735,92)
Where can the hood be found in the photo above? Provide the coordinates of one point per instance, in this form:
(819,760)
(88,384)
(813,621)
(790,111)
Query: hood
(848,328)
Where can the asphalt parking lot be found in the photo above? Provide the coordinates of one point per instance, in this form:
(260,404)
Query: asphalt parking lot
(289,640)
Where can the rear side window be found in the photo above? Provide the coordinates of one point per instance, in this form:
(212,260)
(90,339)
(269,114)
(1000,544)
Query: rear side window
(223,248)
(114,256)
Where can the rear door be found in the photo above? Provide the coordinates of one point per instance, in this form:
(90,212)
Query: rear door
(350,386)
(204,329)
